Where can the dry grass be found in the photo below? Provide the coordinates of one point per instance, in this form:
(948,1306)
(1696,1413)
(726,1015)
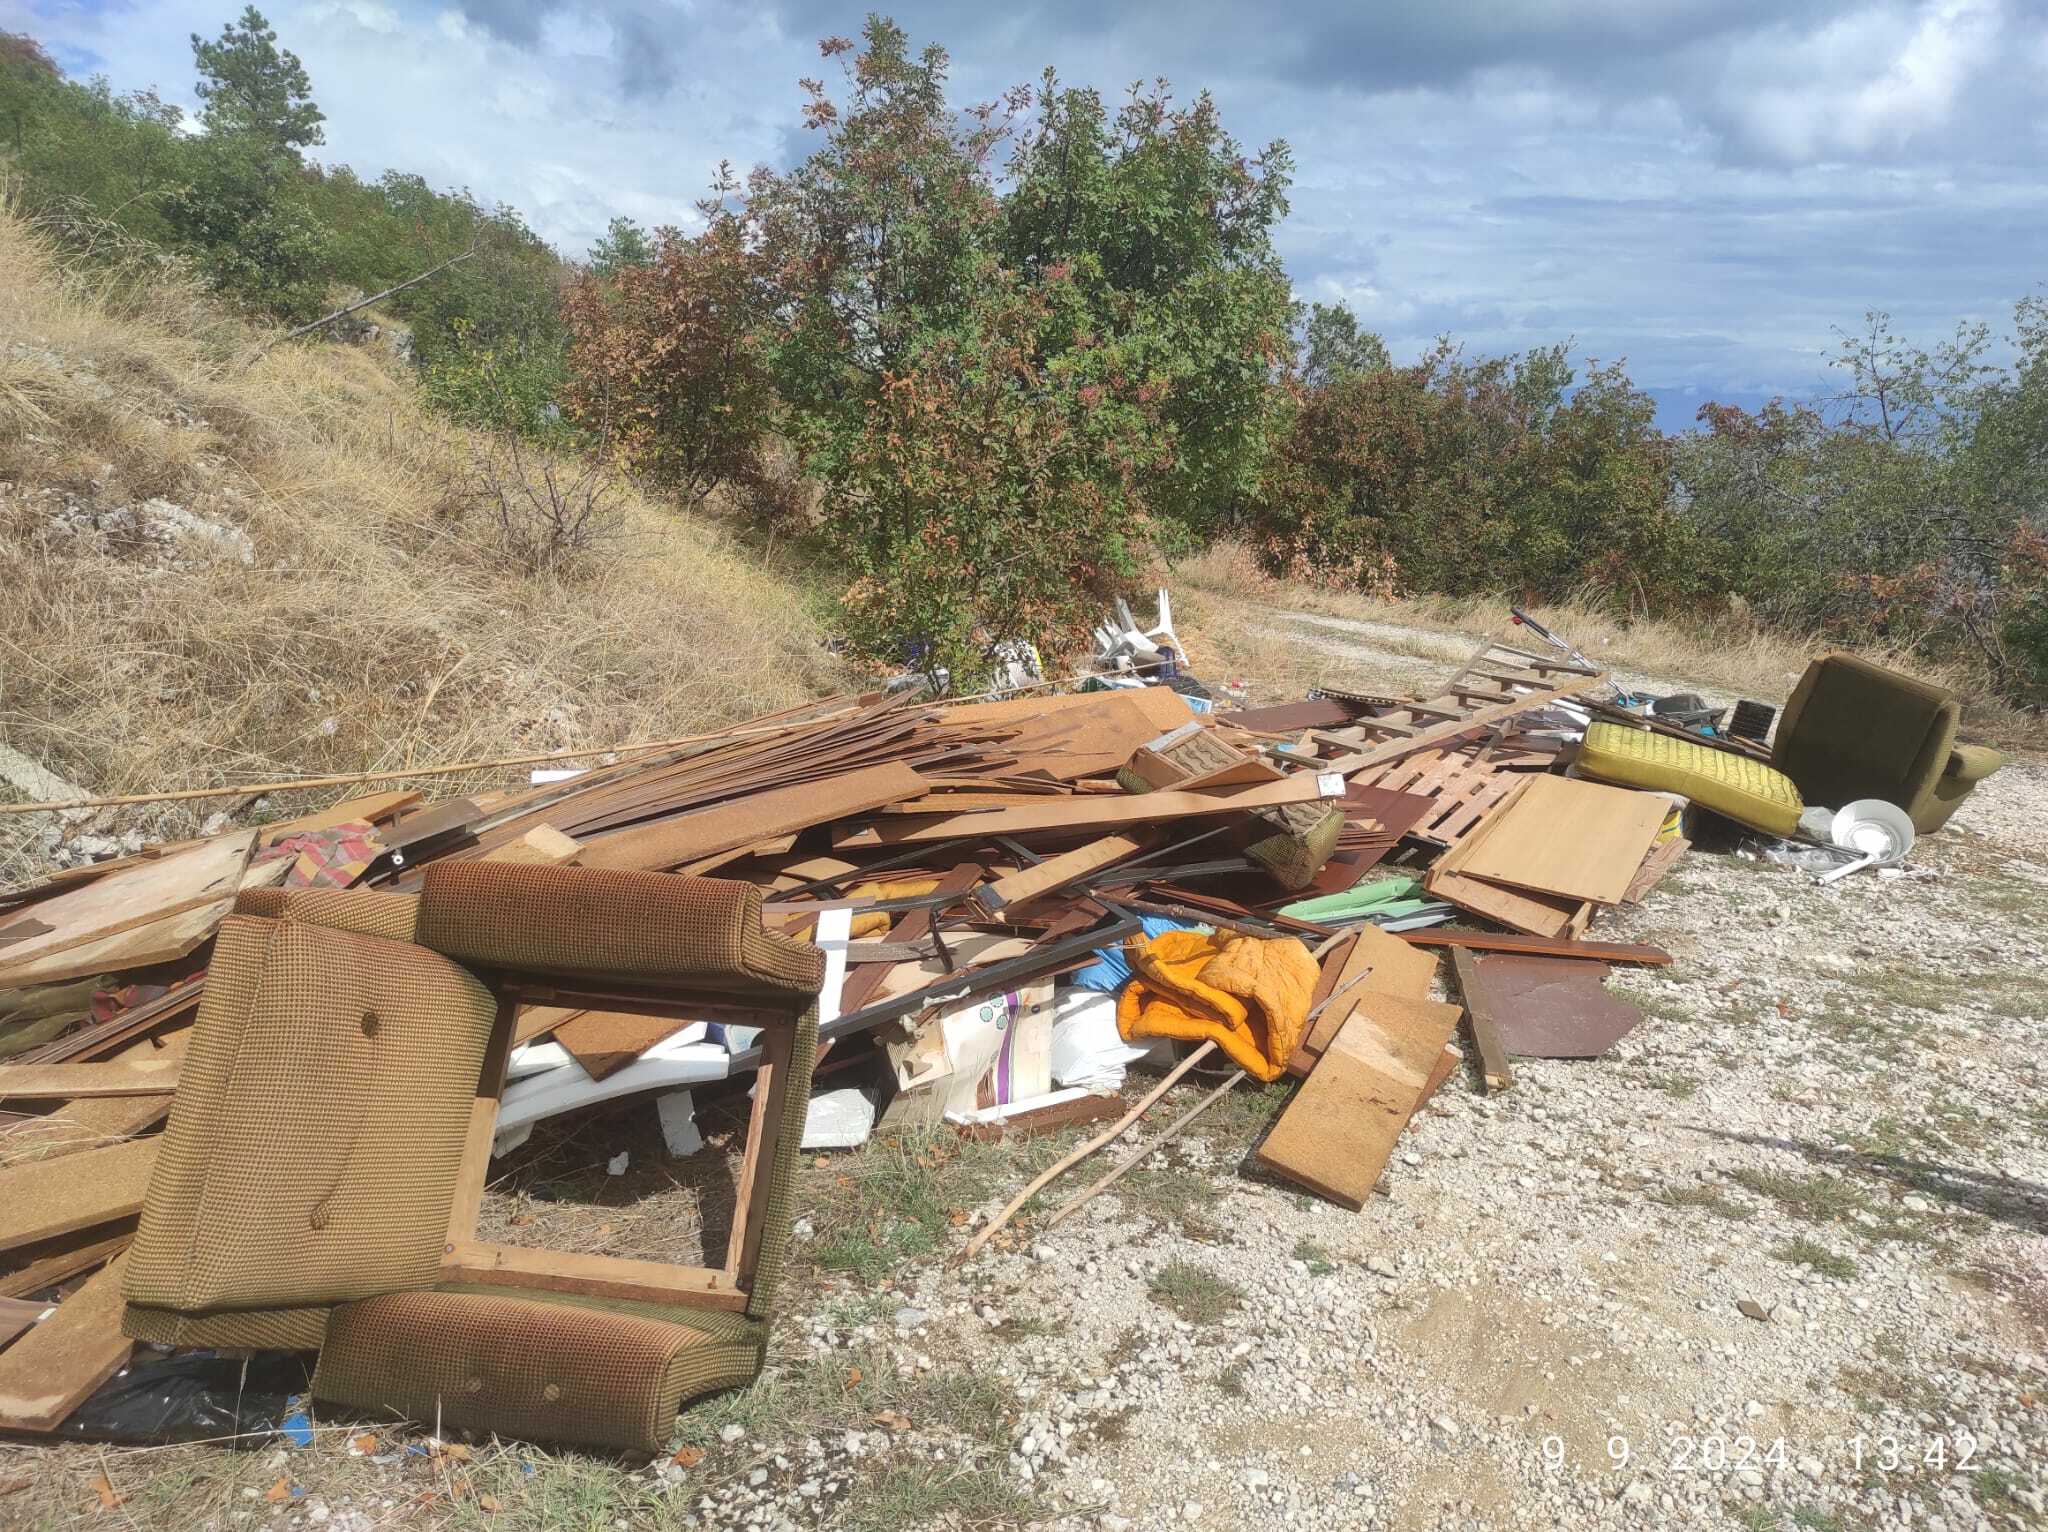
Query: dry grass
(1225,594)
(378,621)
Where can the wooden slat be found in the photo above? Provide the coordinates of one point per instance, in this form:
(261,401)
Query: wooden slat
(593,1276)
(65,1082)
(1437,734)
(60,1260)
(1091,813)
(1057,871)
(48,1373)
(542,846)
(750,820)
(48,1198)
(1335,1136)
(1656,866)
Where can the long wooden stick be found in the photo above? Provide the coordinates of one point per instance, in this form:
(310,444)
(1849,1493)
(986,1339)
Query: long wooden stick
(250,789)
(1132,1160)
(363,303)
(1109,1136)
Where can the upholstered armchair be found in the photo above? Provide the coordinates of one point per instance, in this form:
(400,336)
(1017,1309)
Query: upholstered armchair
(320,1176)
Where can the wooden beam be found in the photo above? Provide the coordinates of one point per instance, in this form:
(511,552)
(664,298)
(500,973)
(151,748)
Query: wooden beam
(60,1265)
(1057,872)
(591,1276)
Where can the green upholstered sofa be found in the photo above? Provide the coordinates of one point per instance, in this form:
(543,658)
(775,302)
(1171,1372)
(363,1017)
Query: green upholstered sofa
(1853,729)
(320,1176)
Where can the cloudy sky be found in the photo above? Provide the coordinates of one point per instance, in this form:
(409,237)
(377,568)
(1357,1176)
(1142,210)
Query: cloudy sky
(1702,187)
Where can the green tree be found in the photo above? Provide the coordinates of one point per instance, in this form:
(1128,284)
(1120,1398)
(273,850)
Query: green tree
(1333,345)
(625,244)
(252,86)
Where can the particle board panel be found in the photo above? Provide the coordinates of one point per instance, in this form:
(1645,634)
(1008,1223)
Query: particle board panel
(1337,1133)
(1656,866)
(48,1372)
(1552,1008)
(150,913)
(748,821)
(52,1197)
(1567,838)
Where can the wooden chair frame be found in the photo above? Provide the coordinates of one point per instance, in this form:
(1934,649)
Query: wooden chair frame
(465,1259)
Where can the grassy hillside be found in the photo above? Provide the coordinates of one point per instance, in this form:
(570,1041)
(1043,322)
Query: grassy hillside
(224,564)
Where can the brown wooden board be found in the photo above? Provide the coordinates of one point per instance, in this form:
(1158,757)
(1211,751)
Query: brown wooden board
(750,820)
(151,913)
(604,1042)
(1337,1133)
(63,1082)
(43,1265)
(1376,963)
(47,1373)
(1538,946)
(1567,839)
(1553,1008)
(48,1198)
(377,808)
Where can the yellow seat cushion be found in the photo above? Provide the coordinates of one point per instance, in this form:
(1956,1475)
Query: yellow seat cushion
(1745,790)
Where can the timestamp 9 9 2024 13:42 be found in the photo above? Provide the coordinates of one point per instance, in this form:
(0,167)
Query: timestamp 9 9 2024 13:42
(1715,1453)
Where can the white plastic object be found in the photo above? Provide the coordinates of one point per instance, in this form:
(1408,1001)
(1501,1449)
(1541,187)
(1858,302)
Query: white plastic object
(1880,832)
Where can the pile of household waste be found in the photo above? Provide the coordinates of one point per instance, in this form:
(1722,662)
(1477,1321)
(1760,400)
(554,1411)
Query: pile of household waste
(1020,901)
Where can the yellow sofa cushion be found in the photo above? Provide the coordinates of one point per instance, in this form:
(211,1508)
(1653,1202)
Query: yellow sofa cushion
(1745,790)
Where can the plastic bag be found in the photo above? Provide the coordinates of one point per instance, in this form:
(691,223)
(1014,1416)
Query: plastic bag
(193,1396)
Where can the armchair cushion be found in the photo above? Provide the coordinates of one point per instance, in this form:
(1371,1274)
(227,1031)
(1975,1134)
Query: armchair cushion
(1972,763)
(314,1145)
(553,1372)
(621,927)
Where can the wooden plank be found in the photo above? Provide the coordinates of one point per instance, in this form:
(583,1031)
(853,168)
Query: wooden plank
(1568,838)
(1056,872)
(1376,964)
(151,913)
(1537,946)
(18,1315)
(749,1214)
(48,1373)
(65,1082)
(1656,866)
(1095,812)
(747,821)
(60,1260)
(53,1197)
(542,846)
(1534,914)
(1493,1057)
(591,1276)
(377,808)
(1335,1136)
